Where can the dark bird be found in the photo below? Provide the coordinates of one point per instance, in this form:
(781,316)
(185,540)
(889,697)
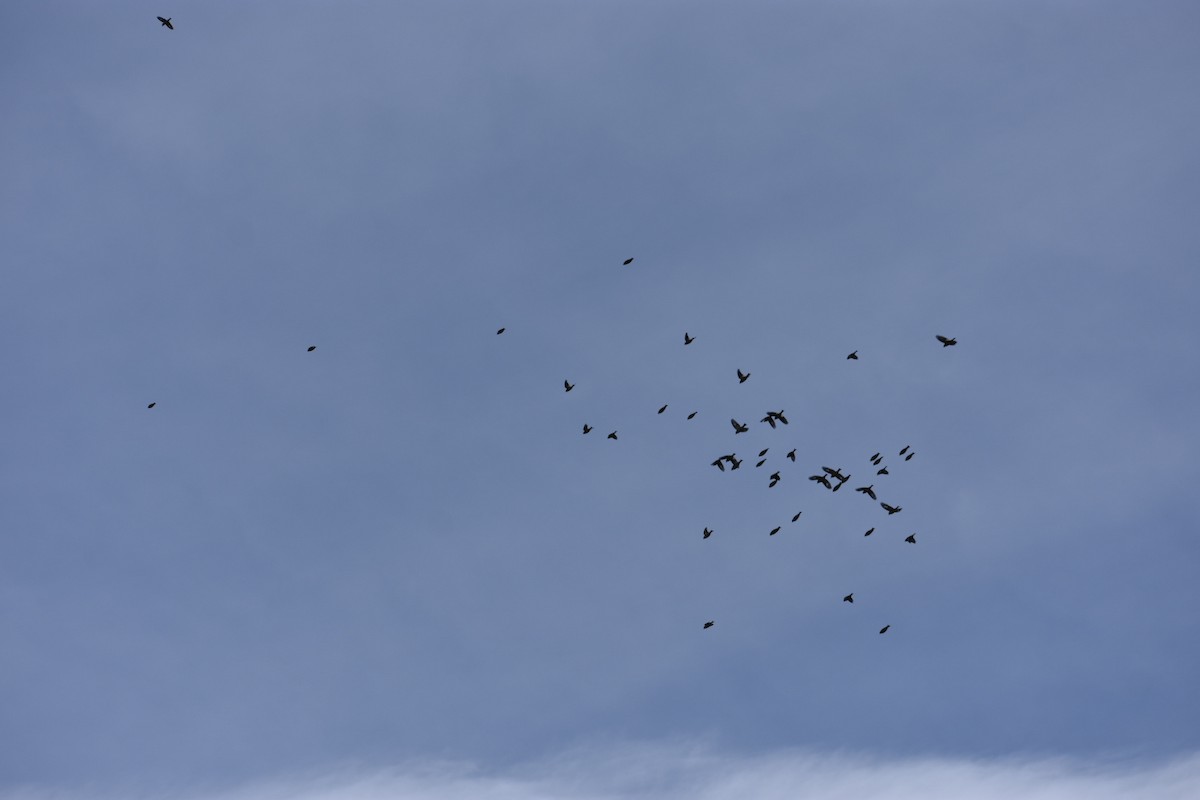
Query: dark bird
(738,427)
(707,533)
(848,598)
(874,457)
(912,539)
(775,530)
(909,456)
(868,533)
(945,340)
(882,471)
(792,456)
(661,410)
(709,624)
(774,479)
(876,460)
(834,473)
(166,22)
(613,436)
(568,386)
(719,464)
(853,356)
(821,479)
(769,420)
(502,330)
(763,452)
(587,428)
(869,491)
(891,509)
(152,405)
(798,513)
(688,339)
(760,463)
(692,414)
(884,629)
(628,261)
(905,450)
(312,347)
(742,376)
(778,415)
(841,483)
(735,463)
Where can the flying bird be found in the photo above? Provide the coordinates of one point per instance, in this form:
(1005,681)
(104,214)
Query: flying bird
(945,340)
(688,339)
(909,456)
(798,513)
(872,459)
(834,473)
(707,533)
(692,414)
(821,479)
(568,386)
(166,22)
(884,629)
(774,480)
(792,456)
(769,420)
(312,347)
(883,471)
(848,598)
(661,410)
(868,533)
(587,428)
(775,530)
(760,463)
(742,376)
(737,462)
(613,436)
(738,427)
(905,450)
(628,261)
(709,624)
(763,452)
(152,405)
(502,330)
(841,483)
(912,539)
(891,509)
(719,464)
(853,356)
(869,491)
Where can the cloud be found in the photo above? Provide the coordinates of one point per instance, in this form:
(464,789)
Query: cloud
(699,773)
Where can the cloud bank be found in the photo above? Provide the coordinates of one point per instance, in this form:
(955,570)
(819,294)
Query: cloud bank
(698,773)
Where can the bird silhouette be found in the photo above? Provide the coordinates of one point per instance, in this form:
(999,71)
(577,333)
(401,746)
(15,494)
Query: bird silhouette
(775,530)
(853,356)
(882,471)
(912,539)
(166,22)
(587,428)
(872,459)
(821,479)
(694,413)
(760,463)
(502,330)
(628,261)
(661,410)
(869,532)
(909,456)
(798,513)
(769,420)
(709,624)
(719,464)
(792,456)
(568,386)
(763,452)
(742,376)
(735,463)
(848,598)
(841,483)
(707,533)
(738,427)
(834,473)
(869,491)
(891,509)
(152,405)
(312,347)
(688,339)
(613,436)
(884,629)
(774,480)
(947,341)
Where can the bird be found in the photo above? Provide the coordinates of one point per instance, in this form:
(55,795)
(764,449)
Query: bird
(312,347)
(769,420)
(798,513)
(848,598)
(568,386)
(166,22)
(821,479)
(775,530)
(883,471)
(587,428)
(688,339)
(661,410)
(891,509)
(719,464)
(905,450)
(742,376)
(884,629)
(760,463)
(872,459)
(869,491)
(763,452)
(778,415)
(945,340)
(692,414)
(841,483)
(152,405)
(912,538)
(792,455)
(707,533)
(834,473)
(869,532)
(909,456)
(628,261)
(877,460)
(709,624)
(853,356)
(613,436)
(502,330)
(737,462)
(738,427)
(774,479)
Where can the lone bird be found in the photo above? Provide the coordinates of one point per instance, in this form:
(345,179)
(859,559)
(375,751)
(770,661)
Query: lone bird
(848,598)
(884,629)
(853,356)
(912,538)
(869,491)
(707,533)
(312,347)
(798,513)
(152,405)
(587,428)
(166,22)
(501,331)
(688,339)
(613,436)
(869,532)
(709,624)
(883,471)
(568,386)
(891,509)
(628,261)
(742,376)
(775,530)
(763,452)
(692,414)
(945,340)
(792,456)
(661,410)
(738,427)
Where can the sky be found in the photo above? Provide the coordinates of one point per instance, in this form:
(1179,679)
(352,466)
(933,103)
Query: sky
(394,565)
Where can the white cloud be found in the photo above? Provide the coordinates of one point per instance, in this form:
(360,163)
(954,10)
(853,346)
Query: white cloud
(699,773)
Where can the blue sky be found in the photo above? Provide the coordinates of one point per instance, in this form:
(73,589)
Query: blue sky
(399,549)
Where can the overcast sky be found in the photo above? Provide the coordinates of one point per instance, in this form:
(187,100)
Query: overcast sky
(400,549)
